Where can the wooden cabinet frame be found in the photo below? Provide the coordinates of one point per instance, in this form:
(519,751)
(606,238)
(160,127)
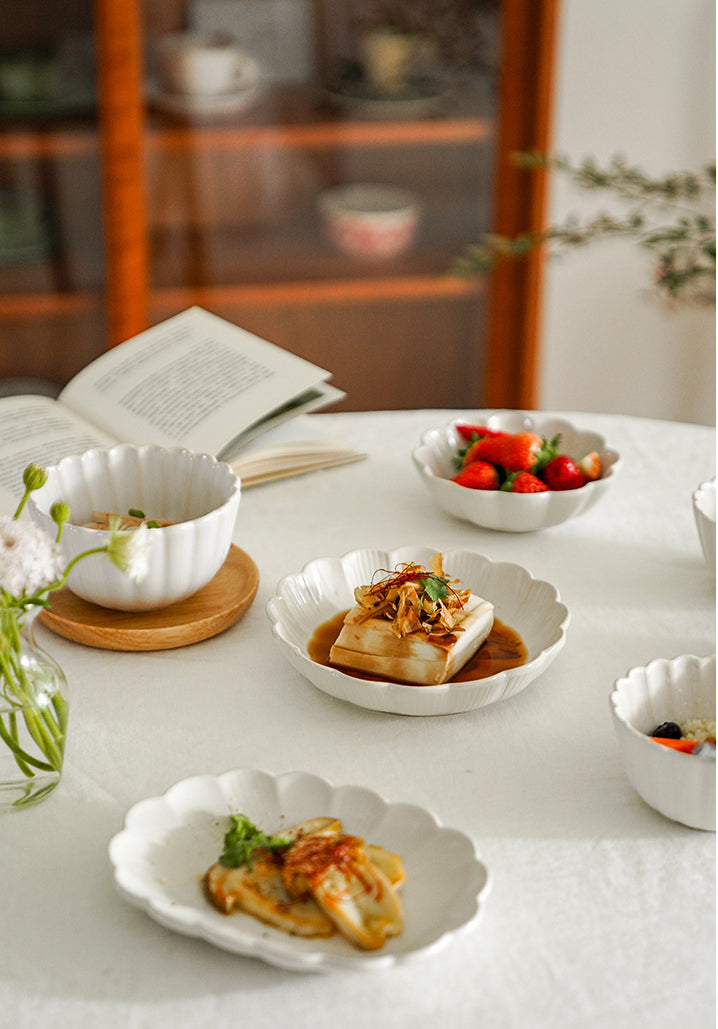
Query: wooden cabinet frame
(525,97)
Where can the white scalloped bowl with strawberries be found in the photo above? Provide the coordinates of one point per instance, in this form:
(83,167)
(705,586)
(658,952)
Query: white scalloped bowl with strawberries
(496,505)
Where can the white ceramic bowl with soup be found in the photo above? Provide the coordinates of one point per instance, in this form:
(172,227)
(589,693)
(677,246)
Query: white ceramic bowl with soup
(196,493)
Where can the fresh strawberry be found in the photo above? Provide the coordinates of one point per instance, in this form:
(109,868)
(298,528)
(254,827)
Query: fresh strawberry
(515,452)
(473,432)
(478,475)
(562,473)
(590,465)
(471,454)
(524,482)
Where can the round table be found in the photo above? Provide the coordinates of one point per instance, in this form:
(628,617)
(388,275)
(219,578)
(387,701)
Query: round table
(601,911)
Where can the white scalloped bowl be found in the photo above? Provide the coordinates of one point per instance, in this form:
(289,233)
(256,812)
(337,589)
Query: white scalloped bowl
(325,587)
(168,842)
(512,512)
(194,490)
(704,510)
(681,786)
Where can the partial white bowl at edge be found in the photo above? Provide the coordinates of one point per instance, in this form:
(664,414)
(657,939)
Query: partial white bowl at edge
(681,786)
(197,492)
(168,842)
(325,587)
(704,509)
(511,512)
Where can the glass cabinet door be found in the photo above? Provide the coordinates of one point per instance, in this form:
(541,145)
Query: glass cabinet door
(308,169)
(310,182)
(51,255)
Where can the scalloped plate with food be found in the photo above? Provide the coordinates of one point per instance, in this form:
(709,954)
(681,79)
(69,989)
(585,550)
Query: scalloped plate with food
(169,841)
(512,512)
(306,600)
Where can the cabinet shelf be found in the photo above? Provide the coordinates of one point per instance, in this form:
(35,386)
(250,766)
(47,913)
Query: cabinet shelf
(61,140)
(292,118)
(389,289)
(147,213)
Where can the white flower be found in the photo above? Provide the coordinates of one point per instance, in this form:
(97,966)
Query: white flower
(29,559)
(130,552)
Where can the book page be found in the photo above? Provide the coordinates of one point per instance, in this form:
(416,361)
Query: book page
(38,430)
(295,448)
(195,381)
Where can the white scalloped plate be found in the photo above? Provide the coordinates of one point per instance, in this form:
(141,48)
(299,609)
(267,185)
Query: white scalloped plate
(168,842)
(531,607)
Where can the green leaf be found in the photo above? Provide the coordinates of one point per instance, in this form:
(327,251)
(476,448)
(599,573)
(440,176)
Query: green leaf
(243,838)
(435,587)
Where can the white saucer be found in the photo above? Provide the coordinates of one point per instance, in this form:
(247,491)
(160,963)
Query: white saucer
(199,108)
(420,99)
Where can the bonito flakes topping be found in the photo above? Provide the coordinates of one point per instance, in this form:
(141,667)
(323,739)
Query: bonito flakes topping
(414,599)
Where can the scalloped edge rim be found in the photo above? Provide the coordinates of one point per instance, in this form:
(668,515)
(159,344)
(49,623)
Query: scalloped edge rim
(441,688)
(230,475)
(668,663)
(699,497)
(275,949)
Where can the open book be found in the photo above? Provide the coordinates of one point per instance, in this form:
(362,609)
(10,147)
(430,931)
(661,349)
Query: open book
(195,381)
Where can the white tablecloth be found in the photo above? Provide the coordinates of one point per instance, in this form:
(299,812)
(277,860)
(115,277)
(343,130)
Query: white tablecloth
(601,911)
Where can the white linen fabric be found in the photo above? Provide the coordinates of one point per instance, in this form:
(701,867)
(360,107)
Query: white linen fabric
(602,911)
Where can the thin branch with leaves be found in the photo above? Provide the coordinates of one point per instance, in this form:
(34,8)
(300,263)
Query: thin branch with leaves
(672,218)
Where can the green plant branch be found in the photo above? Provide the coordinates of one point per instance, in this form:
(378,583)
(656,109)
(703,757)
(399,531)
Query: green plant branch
(672,218)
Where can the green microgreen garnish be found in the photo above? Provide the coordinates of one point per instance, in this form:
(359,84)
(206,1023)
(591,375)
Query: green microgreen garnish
(243,838)
(435,587)
(134,512)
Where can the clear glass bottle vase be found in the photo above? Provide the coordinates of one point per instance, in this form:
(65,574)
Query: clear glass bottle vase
(33,718)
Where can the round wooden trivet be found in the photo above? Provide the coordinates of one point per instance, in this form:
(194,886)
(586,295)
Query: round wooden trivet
(211,610)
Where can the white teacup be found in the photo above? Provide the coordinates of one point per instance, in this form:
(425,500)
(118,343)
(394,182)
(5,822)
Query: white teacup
(199,64)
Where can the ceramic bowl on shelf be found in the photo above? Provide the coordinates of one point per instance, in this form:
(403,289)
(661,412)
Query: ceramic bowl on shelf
(435,458)
(195,492)
(369,220)
(704,510)
(681,786)
(307,599)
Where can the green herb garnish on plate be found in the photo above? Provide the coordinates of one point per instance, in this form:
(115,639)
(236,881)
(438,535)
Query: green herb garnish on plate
(243,838)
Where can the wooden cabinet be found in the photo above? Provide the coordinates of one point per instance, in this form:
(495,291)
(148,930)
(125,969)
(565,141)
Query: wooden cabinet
(163,209)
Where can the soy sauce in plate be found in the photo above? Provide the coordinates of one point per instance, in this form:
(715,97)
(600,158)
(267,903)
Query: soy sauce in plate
(502,649)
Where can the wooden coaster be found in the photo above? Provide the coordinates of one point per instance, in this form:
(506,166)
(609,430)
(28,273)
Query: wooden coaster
(211,610)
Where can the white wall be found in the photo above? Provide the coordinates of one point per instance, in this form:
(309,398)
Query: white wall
(635,78)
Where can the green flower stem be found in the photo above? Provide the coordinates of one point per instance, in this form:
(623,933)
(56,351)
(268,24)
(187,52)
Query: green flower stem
(21,505)
(22,757)
(61,710)
(13,741)
(47,733)
(79,557)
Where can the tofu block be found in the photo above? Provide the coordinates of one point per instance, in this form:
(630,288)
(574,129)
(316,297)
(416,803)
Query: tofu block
(371,646)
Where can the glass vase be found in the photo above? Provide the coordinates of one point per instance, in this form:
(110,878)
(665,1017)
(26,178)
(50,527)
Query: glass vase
(33,718)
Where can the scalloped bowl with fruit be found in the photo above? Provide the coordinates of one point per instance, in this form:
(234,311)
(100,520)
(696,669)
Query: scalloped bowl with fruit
(498,504)
(674,775)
